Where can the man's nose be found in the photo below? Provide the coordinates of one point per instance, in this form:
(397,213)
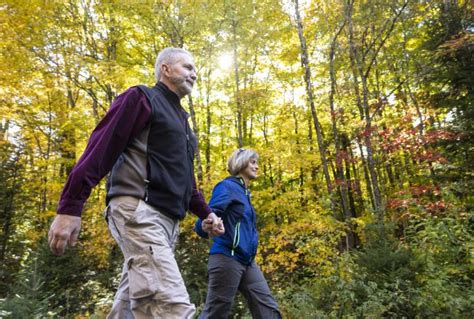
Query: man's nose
(193,75)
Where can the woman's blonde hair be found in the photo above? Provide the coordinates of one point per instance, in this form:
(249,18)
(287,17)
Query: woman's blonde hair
(240,159)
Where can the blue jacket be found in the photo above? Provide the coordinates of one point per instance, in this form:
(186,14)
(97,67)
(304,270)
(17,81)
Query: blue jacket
(231,201)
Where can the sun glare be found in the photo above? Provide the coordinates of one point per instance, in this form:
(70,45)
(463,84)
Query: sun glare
(225,61)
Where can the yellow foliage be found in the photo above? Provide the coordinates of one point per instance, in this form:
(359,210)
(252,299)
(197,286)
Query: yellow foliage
(303,245)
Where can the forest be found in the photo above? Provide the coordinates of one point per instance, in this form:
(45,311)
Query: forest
(361,111)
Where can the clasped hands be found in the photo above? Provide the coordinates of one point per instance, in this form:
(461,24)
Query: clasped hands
(65,230)
(213,225)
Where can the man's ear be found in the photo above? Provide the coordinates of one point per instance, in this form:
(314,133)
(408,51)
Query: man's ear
(165,69)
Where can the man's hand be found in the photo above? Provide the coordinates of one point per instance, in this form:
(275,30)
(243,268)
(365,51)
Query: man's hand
(63,232)
(213,225)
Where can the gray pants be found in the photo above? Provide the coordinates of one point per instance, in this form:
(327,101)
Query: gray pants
(226,276)
(151,284)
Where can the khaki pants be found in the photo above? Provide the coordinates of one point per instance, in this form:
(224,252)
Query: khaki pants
(151,284)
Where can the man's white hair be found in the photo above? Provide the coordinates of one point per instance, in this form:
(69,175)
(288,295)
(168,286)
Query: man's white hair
(167,56)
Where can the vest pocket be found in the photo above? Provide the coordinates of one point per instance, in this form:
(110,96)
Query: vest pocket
(142,276)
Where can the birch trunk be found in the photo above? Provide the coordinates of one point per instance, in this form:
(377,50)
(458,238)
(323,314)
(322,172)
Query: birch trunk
(309,92)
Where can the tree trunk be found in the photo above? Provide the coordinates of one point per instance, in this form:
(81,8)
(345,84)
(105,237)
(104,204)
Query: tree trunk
(309,92)
(8,211)
(298,151)
(68,134)
(196,132)
(314,169)
(238,103)
(379,210)
(208,130)
(335,132)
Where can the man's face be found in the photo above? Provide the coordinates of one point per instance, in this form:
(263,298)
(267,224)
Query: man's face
(181,74)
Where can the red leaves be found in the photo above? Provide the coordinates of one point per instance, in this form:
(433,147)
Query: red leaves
(416,201)
(420,190)
(421,147)
(342,155)
(434,136)
(430,156)
(368,131)
(394,203)
(436,207)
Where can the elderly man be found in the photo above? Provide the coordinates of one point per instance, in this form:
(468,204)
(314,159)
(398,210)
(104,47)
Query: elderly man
(146,144)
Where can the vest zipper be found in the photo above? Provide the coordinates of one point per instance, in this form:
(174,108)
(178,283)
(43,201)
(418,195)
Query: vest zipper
(146,190)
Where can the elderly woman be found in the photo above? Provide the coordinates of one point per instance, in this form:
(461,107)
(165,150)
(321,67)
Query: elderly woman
(232,265)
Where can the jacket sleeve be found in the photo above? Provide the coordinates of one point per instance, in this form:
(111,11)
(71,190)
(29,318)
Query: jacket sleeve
(198,229)
(221,199)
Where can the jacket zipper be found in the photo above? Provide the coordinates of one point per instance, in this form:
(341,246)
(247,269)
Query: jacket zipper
(236,238)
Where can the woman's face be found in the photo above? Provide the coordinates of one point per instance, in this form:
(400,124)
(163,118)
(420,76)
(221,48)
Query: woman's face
(250,172)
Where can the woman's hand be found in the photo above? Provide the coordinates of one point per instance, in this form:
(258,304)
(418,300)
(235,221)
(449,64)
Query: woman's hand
(213,225)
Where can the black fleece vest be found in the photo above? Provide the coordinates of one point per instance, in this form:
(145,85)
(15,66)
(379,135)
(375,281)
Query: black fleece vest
(170,153)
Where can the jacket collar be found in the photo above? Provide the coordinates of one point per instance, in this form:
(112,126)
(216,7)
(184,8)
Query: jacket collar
(239,180)
(168,93)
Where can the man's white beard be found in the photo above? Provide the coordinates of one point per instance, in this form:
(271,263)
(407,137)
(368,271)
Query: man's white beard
(182,85)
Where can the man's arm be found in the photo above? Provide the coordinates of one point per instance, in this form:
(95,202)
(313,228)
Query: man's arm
(128,115)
